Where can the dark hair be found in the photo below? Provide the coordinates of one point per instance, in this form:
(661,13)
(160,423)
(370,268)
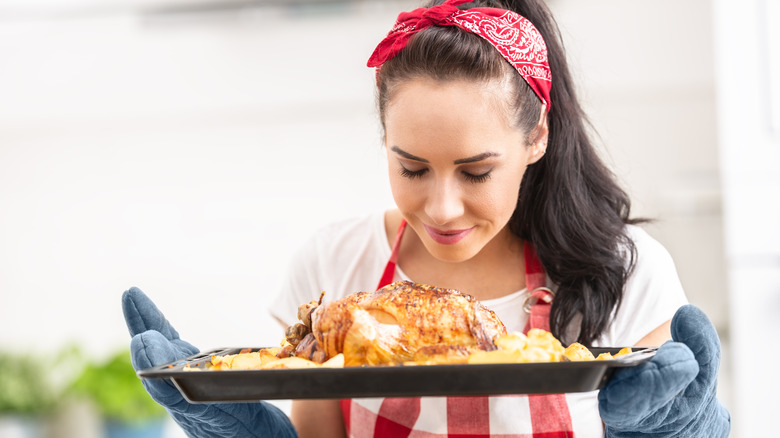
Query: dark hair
(569,206)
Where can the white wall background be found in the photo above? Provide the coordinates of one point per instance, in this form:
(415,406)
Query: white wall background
(748,65)
(190,154)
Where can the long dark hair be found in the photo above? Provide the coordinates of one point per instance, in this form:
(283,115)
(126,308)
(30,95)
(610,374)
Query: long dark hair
(569,206)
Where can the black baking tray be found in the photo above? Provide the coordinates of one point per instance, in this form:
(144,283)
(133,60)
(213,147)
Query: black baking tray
(388,381)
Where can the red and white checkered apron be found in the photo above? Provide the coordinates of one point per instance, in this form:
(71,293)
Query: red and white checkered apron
(451,417)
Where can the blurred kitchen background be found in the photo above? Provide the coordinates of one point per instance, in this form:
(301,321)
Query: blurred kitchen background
(188,147)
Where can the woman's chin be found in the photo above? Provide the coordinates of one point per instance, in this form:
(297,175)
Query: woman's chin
(450,253)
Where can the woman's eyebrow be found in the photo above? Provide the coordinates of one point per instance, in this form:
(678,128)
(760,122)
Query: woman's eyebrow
(407,155)
(475,158)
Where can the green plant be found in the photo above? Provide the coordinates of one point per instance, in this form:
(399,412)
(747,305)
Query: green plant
(25,386)
(116,391)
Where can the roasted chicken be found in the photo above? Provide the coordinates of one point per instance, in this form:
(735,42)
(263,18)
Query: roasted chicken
(399,323)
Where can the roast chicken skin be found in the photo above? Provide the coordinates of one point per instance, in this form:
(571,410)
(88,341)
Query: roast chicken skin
(399,323)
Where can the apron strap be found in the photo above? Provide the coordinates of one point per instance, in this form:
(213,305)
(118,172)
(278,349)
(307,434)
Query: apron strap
(549,412)
(389,274)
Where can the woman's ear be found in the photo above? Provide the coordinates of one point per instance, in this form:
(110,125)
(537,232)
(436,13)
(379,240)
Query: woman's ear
(538,144)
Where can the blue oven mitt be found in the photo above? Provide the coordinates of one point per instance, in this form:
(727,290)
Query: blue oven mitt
(672,395)
(155,342)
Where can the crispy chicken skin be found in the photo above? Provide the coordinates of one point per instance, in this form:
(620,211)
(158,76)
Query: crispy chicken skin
(399,323)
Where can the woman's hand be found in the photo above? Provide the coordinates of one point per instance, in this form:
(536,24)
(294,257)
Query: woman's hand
(673,395)
(155,342)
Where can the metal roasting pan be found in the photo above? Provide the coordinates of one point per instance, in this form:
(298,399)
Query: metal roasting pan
(388,381)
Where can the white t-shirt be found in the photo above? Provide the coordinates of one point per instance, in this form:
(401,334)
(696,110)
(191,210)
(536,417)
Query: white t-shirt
(350,256)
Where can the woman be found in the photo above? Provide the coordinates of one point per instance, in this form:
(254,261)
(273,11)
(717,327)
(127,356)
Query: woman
(501,195)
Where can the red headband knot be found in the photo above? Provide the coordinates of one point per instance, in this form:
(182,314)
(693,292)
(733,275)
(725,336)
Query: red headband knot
(515,38)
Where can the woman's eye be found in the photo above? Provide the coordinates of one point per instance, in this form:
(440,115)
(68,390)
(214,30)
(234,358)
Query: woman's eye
(471,177)
(482,177)
(412,174)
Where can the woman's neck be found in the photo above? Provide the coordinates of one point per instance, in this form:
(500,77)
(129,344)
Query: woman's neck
(496,271)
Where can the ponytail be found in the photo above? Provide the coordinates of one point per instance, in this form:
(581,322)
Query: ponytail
(570,206)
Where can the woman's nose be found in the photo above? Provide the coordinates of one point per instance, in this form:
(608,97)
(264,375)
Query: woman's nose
(444,203)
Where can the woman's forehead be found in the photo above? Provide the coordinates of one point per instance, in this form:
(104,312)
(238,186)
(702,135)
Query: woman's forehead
(426,104)
(450,120)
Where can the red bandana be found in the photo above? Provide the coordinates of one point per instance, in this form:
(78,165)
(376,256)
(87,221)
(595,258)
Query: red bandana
(511,34)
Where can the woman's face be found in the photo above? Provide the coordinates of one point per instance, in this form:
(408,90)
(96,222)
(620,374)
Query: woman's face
(455,163)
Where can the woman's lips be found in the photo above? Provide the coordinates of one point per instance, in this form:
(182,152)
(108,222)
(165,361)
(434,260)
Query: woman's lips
(447,237)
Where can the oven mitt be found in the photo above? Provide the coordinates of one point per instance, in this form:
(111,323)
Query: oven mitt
(155,342)
(672,395)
